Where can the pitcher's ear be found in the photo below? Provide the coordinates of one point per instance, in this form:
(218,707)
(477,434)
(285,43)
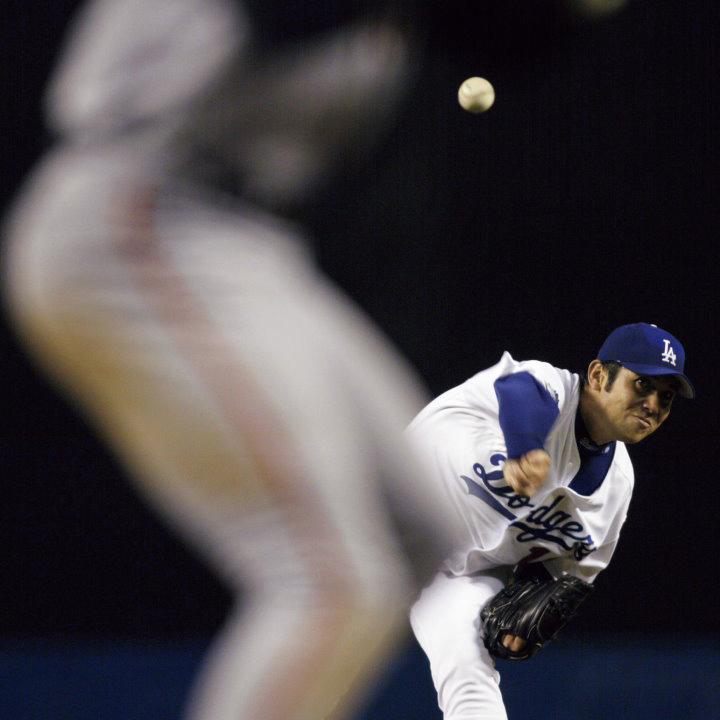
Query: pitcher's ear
(596,375)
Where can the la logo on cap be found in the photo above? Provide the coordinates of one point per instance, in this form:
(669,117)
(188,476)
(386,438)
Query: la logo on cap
(668,355)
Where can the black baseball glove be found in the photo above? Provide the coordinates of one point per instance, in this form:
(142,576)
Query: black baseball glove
(533,608)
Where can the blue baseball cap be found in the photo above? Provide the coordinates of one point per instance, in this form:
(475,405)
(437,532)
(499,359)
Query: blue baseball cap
(648,350)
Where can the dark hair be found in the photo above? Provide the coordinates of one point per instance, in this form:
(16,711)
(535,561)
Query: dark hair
(611,367)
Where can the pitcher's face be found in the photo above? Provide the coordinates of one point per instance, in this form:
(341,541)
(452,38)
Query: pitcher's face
(635,405)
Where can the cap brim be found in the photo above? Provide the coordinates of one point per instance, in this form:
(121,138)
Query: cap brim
(686,389)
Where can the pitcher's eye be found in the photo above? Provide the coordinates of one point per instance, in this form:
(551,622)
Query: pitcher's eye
(642,384)
(666,398)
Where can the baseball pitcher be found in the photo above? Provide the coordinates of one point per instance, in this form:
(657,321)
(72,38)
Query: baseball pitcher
(534,460)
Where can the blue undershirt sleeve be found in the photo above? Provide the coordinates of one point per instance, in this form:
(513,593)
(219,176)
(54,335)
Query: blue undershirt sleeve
(527,412)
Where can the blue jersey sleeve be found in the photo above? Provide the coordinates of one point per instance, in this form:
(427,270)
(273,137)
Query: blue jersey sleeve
(527,412)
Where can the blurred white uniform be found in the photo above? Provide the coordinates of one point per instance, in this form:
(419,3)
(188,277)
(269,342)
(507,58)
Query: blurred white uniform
(255,407)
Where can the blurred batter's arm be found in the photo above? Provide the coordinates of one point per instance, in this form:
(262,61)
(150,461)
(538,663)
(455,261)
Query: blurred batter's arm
(278,23)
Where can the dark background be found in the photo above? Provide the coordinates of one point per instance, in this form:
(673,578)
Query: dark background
(585,198)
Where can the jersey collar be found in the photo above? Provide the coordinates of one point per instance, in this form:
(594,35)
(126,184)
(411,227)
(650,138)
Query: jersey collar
(584,442)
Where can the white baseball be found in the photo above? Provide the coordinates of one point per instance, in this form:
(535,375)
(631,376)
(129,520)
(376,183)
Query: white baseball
(476,95)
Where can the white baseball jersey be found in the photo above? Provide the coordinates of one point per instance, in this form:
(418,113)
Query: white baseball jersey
(571,524)
(460,432)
